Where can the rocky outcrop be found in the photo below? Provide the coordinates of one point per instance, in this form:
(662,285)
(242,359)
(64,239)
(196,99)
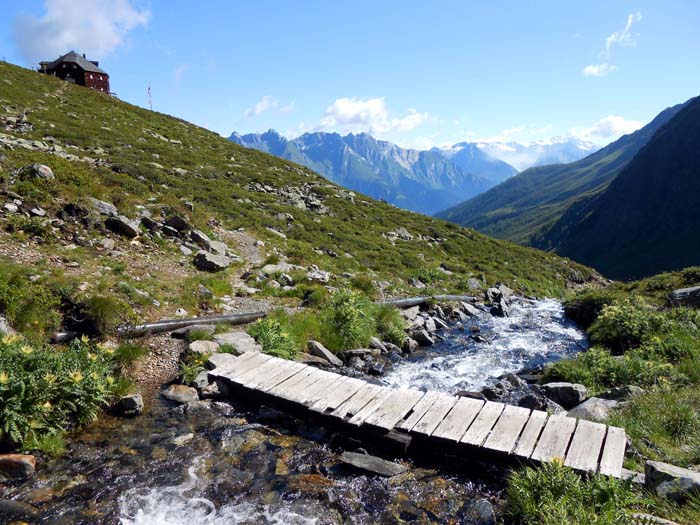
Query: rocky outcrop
(317,349)
(567,395)
(211,263)
(671,482)
(123,226)
(594,409)
(240,341)
(686,297)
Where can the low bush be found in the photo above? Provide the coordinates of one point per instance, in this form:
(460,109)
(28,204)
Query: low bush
(348,321)
(390,324)
(554,495)
(274,337)
(104,313)
(45,391)
(626,324)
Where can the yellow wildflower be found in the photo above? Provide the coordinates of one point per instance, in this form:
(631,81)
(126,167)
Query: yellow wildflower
(76,376)
(559,462)
(8,339)
(4,378)
(26,350)
(46,406)
(91,356)
(50,378)
(85,339)
(110,380)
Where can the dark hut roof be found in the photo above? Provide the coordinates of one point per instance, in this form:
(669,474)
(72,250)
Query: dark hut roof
(78,59)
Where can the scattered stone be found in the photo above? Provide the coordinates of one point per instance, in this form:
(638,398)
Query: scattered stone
(123,226)
(647,519)
(567,395)
(10,207)
(373,464)
(416,283)
(409,345)
(470,309)
(183,439)
(131,405)
(376,369)
(479,512)
(102,207)
(178,223)
(181,312)
(422,337)
(201,381)
(183,333)
(686,296)
(211,263)
(500,308)
(216,390)
(16,510)
(107,244)
(671,482)
(203,347)
(240,341)
(218,248)
(308,359)
(17,466)
(317,349)
(318,276)
(201,239)
(185,250)
(593,409)
(622,393)
(377,344)
(410,314)
(37,211)
(40,171)
(220,361)
(473,284)
(180,393)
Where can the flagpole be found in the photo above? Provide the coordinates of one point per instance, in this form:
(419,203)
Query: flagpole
(150,101)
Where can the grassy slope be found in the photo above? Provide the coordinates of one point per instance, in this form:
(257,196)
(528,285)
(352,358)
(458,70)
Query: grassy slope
(529,207)
(219,173)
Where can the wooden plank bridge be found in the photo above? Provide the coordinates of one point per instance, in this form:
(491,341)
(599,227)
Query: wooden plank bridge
(474,427)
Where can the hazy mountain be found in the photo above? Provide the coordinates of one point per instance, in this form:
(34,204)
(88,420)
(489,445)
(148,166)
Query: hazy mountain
(527,208)
(558,150)
(422,181)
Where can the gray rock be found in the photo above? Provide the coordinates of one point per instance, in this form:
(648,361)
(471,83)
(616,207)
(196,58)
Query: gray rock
(17,466)
(622,393)
(686,296)
(410,314)
(185,250)
(500,308)
(40,171)
(178,441)
(201,239)
(37,211)
(203,347)
(318,276)
(216,390)
(102,207)
(223,361)
(10,207)
(131,405)
(218,248)
(240,341)
(409,345)
(317,349)
(107,244)
(5,327)
(373,464)
(16,510)
(417,283)
(430,325)
(123,226)
(671,482)
(180,393)
(183,333)
(211,263)
(593,409)
(422,337)
(473,284)
(201,381)
(169,232)
(178,223)
(648,519)
(567,395)
(308,359)
(440,324)
(469,309)
(377,344)
(479,512)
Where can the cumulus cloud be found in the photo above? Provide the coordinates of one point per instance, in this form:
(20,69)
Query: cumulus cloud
(262,105)
(353,115)
(625,38)
(598,70)
(606,130)
(94,27)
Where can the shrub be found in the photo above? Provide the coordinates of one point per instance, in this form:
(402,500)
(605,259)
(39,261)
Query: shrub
(390,324)
(553,495)
(625,324)
(45,391)
(585,306)
(348,322)
(364,284)
(104,313)
(274,338)
(127,353)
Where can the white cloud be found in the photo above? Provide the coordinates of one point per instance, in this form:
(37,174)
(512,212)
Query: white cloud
(619,38)
(352,115)
(598,70)
(606,130)
(265,103)
(625,37)
(94,27)
(506,135)
(180,71)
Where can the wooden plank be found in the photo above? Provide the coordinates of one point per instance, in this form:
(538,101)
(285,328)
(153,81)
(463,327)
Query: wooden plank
(285,386)
(293,392)
(357,402)
(435,414)
(554,439)
(339,395)
(458,420)
(325,384)
(483,423)
(508,428)
(286,371)
(586,445)
(359,418)
(238,363)
(531,432)
(394,408)
(613,452)
(418,411)
(250,364)
(259,372)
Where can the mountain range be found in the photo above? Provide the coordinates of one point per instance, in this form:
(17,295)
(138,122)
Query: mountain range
(600,210)
(425,181)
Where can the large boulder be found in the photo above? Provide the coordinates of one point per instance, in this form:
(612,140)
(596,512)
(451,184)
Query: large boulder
(593,409)
(180,393)
(211,263)
(102,207)
(40,171)
(317,349)
(686,297)
(240,341)
(422,337)
(128,406)
(671,482)
(123,226)
(203,347)
(17,466)
(221,361)
(567,395)
(178,223)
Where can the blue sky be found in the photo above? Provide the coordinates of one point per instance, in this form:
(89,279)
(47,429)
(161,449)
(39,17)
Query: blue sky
(414,72)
